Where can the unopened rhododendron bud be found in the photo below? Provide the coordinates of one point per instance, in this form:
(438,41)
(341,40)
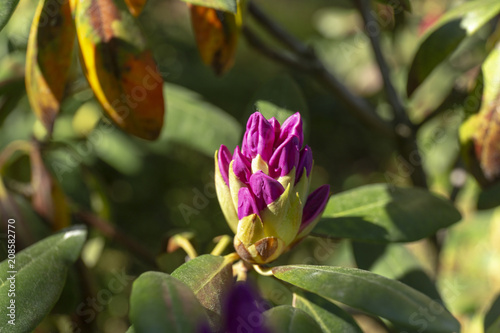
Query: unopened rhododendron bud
(263,188)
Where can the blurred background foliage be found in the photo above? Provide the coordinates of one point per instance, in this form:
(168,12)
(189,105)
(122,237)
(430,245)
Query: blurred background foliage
(153,190)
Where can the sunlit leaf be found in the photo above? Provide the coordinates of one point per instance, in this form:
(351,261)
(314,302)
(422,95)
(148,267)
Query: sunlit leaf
(371,293)
(48,60)
(6,9)
(225,5)
(330,317)
(40,275)
(119,66)
(383,213)
(48,197)
(216,34)
(135,6)
(445,36)
(287,319)
(161,303)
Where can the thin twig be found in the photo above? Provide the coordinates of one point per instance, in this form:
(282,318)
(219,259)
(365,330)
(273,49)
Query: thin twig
(358,106)
(112,232)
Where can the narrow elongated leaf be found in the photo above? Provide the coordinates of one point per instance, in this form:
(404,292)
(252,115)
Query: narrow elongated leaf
(135,6)
(369,292)
(41,271)
(6,9)
(48,60)
(161,303)
(381,213)
(48,198)
(119,66)
(209,277)
(225,5)
(330,318)
(287,319)
(445,36)
(216,34)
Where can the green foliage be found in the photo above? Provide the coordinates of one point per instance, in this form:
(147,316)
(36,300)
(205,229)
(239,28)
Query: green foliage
(39,279)
(226,5)
(381,213)
(287,319)
(368,292)
(6,9)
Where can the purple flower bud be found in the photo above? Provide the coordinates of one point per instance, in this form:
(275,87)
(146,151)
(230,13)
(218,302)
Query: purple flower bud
(224,160)
(258,138)
(276,125)
(265,189)
(292,127)
(241,166)
(246,203)
(305,161)
(285,157)
(315,204)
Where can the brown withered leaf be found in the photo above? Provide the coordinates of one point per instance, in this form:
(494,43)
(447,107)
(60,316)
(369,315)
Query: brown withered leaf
(48,198)
(48,61)
(119,66)
(135,6)
(216,34)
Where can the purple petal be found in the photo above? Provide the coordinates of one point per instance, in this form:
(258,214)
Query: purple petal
(315,204)
(305,161)
(243,311)
(276,125)
(246,203)
(265,189)
(258,138)
(292,127)
(285,157)
(224,159)
(241,166)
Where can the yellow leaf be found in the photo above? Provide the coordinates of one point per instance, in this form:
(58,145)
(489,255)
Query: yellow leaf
(119,67)
(216,34)
(48,61)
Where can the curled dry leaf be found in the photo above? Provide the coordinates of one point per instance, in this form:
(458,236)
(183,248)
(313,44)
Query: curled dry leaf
(48,60)
(216,34)
(119,66)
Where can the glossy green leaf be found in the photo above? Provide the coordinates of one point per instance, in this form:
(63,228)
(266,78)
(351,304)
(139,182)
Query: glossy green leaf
(381,213)
(445,36)
(189,116)
(287,319)
(209,277)
(6,9)
(330,317)
(161,303)
(41,274)
(371,293)
(226,5)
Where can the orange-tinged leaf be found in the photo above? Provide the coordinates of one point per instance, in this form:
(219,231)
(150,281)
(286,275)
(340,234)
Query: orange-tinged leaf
(48,60)
(119,66)
(135,6)
(216,34)
(48,198)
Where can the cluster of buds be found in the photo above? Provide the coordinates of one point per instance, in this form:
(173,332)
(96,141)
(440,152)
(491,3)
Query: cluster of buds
(263,188)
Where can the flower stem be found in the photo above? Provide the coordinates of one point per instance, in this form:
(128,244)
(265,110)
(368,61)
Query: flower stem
(222,243)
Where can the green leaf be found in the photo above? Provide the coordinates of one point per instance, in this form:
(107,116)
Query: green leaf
(381,213)
(161,303)
(330,317)
(41,274)
(446,35)
(6,9)
(226,5)
(189,116)
(371,293)
(209,277)
(492,318)
(287,319)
